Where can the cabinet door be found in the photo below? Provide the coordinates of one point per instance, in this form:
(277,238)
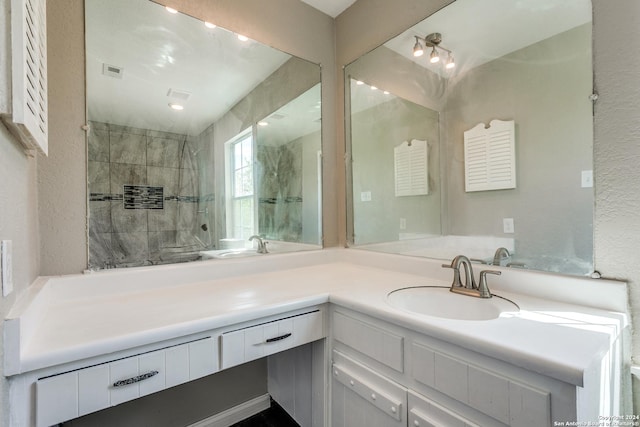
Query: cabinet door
(363,398)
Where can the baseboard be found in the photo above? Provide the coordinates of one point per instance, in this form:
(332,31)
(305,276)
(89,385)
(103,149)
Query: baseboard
(237,413)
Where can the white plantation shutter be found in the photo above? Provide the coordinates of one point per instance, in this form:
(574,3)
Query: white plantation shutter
(28,118)
(489,156)
(411,168)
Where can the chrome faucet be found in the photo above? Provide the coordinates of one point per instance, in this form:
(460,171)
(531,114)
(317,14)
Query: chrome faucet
(470,288)
(262,245)
(501,253)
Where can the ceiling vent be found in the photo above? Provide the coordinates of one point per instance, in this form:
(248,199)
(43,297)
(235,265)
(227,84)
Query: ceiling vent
(277,116)
(112,71)
(181,95)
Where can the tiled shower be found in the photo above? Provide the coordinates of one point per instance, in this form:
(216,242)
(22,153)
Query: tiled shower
(145,205)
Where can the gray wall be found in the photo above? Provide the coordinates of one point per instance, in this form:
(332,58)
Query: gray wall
(545,89)
(375,132)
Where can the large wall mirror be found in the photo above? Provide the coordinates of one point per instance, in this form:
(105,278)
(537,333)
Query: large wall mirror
(199,140)
(472,133)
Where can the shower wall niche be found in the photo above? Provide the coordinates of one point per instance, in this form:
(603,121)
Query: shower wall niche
(145,203)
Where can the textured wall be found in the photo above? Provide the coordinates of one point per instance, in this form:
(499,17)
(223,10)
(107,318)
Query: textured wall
(18,223)
(617,150)
(18,205)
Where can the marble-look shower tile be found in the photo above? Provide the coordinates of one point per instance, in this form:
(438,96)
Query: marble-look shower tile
(187,216)
(100,216)
(164,219)
(98,141)
(128,148)
(127,220)
(160,242)
(98,175)
(128,129)
(130,248)
(164,152)
(290,170)
(100,252)
(189,182)
(168,178)
(122,174)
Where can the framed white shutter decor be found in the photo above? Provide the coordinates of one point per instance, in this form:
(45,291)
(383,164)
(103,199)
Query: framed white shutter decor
(411,168)
(490,156)
(28,118)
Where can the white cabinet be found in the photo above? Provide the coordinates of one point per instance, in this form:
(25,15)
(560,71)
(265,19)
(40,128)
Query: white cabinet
(363,398)
(253,342)
(424,412)
(72,394)
(434,383)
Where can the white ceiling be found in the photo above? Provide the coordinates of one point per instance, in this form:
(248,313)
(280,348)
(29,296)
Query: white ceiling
(480,31)
(332,8)
(160,51)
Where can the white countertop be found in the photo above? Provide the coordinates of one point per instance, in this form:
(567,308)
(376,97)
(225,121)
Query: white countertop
(70,318)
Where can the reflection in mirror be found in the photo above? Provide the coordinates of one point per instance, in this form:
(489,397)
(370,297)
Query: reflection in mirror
(523,65)
(176,155)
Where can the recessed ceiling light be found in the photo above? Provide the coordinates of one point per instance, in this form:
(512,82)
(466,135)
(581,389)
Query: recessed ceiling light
(176,107)
(263,123)
(359,82)
(374,88)
(242,38)
(209,24)
(171,10)
(386,92)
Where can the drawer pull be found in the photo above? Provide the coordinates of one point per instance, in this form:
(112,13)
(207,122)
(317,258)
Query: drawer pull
(281,337)
(135,379)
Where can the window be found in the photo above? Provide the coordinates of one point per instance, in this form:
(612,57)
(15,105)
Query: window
(240,187)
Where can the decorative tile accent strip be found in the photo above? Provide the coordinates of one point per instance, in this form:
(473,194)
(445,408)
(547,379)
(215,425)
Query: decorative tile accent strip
(104,197)
(274,200)
(143,197)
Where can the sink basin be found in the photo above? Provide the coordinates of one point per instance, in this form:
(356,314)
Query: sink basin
(440,302)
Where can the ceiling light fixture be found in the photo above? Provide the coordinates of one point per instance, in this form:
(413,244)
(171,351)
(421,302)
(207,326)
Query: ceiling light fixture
(242,38)
(171,10)
(433,41)
(209,24)
(263,123)
(176,107)
(418,50)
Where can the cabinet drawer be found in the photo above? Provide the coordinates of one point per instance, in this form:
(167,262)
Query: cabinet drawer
(70,395)
(503,399)
(254,342)
(423,412)
(361,397)
(379,344)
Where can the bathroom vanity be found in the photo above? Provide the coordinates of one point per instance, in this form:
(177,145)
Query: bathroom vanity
(78,344)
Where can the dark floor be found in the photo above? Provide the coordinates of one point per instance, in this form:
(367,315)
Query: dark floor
(275,416)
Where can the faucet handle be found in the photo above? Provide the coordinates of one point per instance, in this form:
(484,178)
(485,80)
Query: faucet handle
(456,275)
(483,288)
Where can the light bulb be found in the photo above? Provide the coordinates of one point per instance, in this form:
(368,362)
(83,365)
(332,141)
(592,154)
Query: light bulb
(417,49)
(434,57)
(450,63)
(176,107)
(209,24)
(242,38)
(171,10)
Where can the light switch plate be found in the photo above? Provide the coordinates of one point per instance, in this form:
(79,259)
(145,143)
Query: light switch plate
(365,196)
(403,223)
(6,267)
(507,225)
(587,179)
